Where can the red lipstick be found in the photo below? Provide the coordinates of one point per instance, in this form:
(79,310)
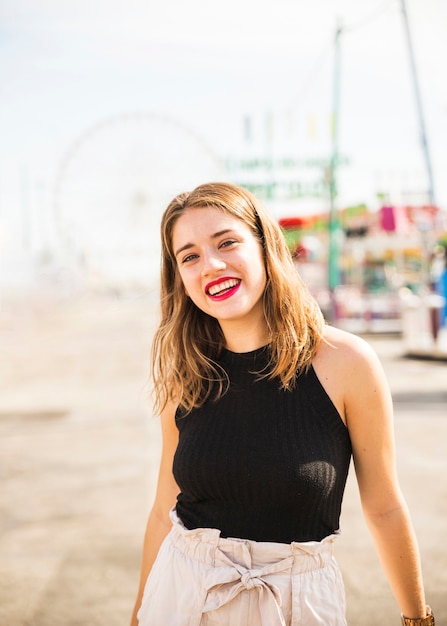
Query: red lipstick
(223,288)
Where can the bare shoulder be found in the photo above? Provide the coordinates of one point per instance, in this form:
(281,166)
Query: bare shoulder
(345,349)
(345,363)
(167,418)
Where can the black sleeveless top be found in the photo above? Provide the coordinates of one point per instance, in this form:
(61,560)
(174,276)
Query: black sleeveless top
(262,463)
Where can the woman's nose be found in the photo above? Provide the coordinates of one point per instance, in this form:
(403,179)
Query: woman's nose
(212,263)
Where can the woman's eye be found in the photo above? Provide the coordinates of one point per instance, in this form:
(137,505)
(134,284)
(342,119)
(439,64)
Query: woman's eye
(227,242)
(189,258)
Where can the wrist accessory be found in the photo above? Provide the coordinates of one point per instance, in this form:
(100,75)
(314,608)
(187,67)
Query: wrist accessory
(428,620)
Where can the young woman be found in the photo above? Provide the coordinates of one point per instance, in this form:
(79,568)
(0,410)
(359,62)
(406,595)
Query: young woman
(262,405)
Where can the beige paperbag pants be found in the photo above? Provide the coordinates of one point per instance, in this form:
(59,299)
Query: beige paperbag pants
(200,579)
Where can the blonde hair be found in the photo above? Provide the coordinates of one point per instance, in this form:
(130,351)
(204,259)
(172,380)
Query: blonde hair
(188,342)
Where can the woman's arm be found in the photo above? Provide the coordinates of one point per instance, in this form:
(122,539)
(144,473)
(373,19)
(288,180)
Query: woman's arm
(369,418)
(159,524)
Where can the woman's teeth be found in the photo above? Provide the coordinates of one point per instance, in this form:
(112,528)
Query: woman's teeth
(227,284)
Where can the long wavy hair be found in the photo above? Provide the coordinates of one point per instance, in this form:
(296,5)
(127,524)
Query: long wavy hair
(188,342)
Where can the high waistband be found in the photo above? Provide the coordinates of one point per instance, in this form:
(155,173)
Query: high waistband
(202,543)
(238,564)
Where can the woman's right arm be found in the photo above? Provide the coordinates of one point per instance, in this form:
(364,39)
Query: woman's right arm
(159,524)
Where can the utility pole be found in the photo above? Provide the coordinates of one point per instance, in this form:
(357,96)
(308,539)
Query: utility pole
(420,112)
(424,228)
(334,230)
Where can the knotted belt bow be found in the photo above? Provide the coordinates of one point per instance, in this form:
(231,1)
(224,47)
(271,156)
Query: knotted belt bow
(234,578)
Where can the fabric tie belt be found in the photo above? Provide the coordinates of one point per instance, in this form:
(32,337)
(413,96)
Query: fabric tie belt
(234,578)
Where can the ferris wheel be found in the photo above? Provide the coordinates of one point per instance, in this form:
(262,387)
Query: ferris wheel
(113,185)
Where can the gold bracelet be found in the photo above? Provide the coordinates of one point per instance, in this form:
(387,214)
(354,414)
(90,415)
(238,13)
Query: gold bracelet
(428,620)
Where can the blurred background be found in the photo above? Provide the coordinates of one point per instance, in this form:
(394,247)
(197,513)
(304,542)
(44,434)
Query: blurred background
(334,113)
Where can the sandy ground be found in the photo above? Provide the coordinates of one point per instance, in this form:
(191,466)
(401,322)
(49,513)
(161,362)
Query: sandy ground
(79,450)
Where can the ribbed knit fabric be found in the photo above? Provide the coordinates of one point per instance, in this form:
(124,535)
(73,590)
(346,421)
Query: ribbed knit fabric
(262,463)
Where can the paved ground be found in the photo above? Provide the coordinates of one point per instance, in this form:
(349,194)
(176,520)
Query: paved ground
(79,451)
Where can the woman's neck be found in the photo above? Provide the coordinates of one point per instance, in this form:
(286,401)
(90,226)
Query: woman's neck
(245,340)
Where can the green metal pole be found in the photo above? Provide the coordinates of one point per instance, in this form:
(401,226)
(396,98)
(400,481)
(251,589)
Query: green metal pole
(334,228)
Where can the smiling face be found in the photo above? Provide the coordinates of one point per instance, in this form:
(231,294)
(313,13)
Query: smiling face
(221,265)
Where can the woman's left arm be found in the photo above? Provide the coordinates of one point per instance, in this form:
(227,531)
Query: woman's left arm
(369,417)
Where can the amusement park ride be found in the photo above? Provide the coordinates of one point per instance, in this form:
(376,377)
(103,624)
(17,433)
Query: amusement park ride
(379,271)
(386,272)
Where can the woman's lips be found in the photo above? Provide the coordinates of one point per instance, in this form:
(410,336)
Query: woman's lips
(222,289)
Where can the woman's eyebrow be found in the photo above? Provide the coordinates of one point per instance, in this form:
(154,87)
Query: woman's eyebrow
(189,245)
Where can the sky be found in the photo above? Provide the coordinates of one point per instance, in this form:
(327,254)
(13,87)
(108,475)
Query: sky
(108,103)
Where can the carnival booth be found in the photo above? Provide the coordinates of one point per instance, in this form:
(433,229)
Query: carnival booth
(385,267)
